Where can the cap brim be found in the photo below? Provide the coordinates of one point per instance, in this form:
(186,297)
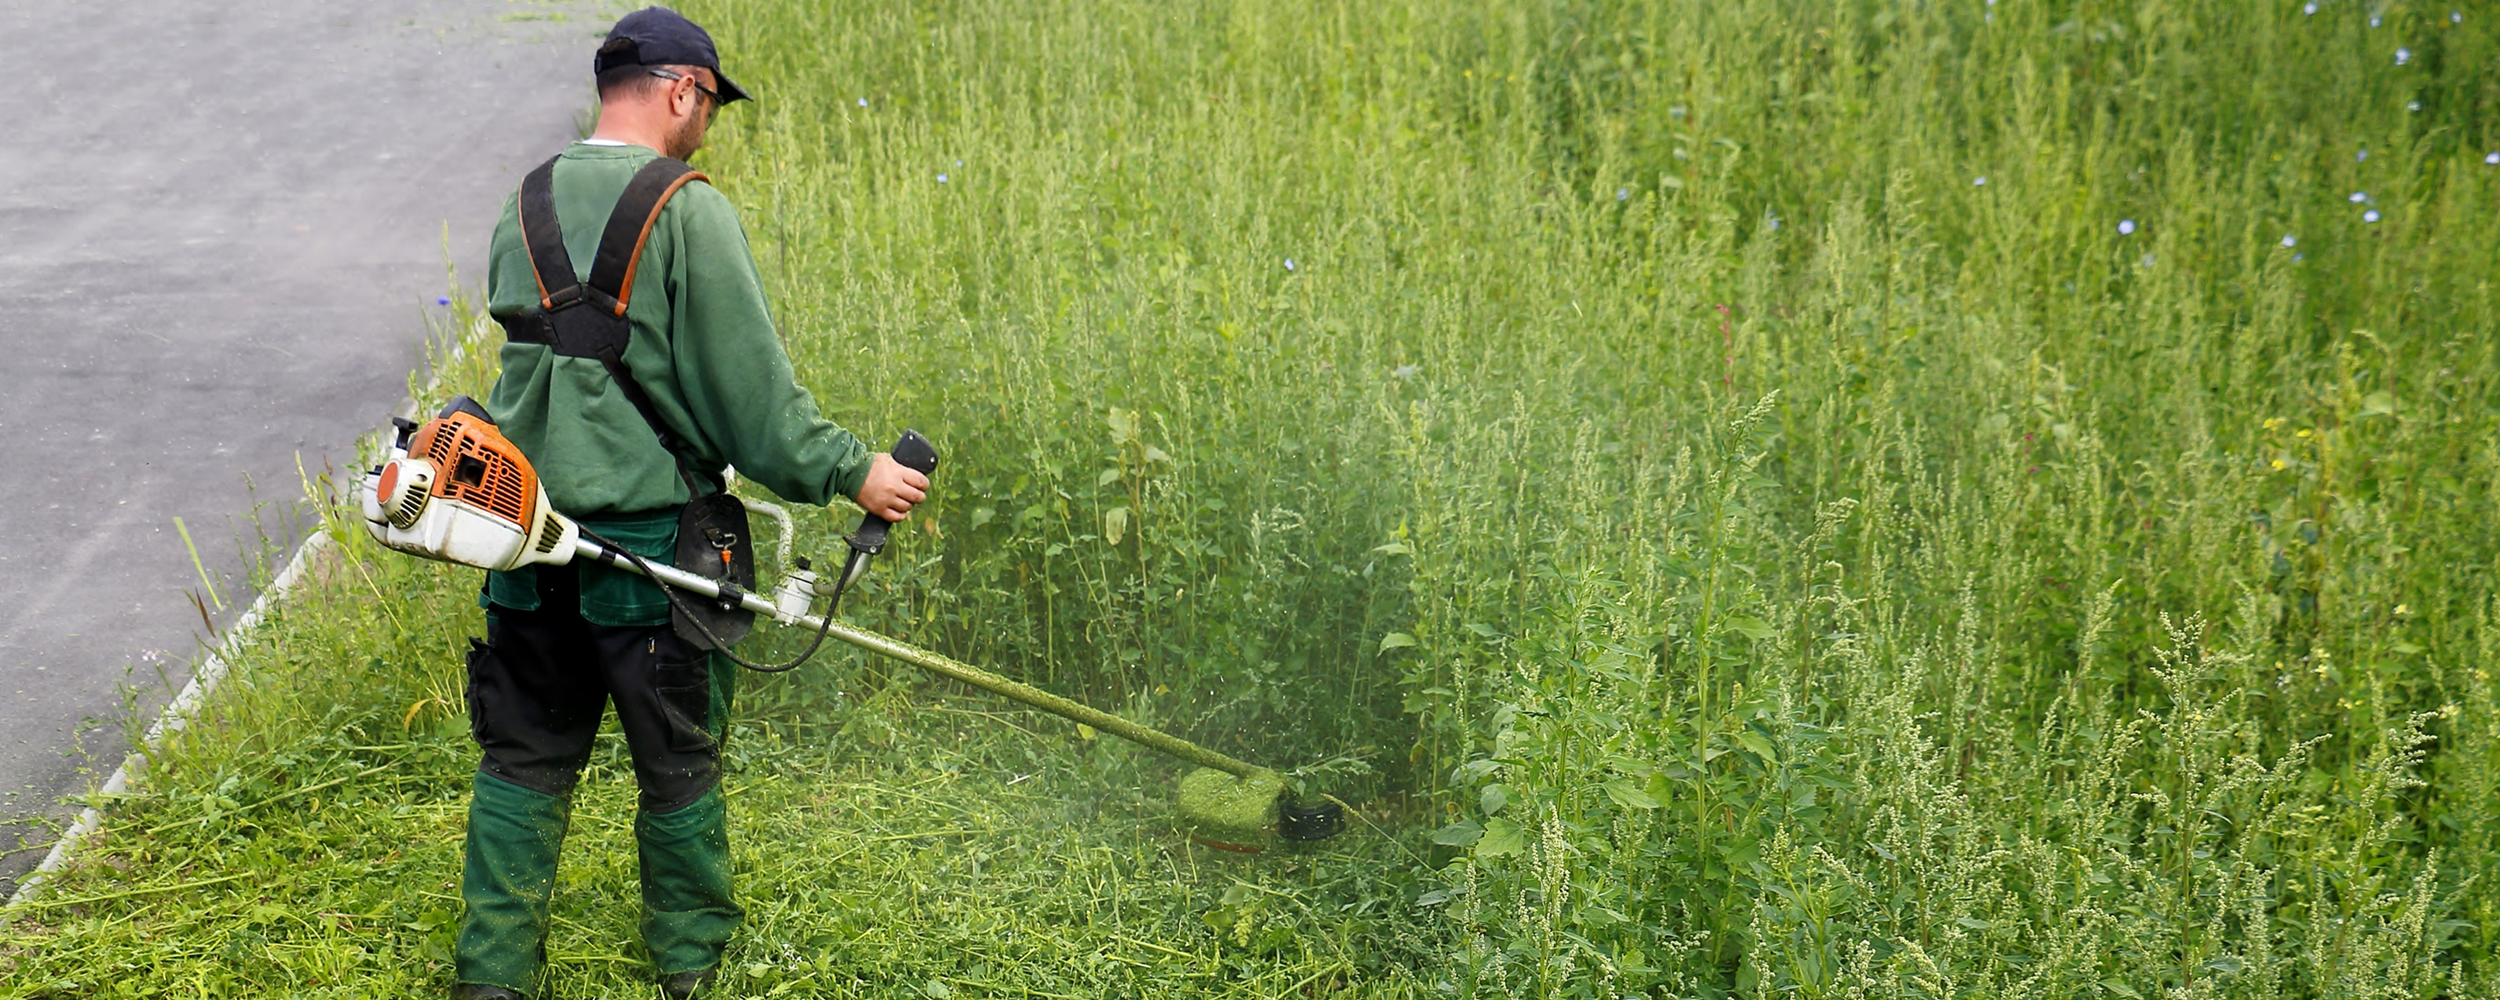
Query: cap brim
(729,89)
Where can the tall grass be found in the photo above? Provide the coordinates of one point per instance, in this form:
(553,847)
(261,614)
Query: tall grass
(1860,499)
(1731,457)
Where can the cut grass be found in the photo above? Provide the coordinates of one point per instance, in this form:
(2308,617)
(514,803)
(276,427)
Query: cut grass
(303,838)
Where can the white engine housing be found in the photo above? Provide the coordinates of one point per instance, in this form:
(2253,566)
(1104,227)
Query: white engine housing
(403,510)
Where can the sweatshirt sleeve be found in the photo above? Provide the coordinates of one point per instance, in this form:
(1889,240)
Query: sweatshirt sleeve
(732,373)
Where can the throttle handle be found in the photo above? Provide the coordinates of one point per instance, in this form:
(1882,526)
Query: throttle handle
(913,452)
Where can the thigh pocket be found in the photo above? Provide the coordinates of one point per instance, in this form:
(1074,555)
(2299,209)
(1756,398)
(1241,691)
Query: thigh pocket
(479,658)
(685,696)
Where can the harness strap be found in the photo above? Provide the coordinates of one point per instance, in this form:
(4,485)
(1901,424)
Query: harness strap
(548,262)
(628,231)
(629,226)
(598,328)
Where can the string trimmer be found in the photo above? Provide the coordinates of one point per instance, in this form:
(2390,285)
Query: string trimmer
(456,490)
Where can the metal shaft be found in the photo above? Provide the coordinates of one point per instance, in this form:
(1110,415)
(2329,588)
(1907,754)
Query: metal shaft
(943,666)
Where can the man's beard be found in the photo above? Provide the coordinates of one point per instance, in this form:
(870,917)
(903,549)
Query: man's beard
(686,138)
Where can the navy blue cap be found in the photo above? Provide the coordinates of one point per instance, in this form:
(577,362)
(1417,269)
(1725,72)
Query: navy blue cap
(658,36)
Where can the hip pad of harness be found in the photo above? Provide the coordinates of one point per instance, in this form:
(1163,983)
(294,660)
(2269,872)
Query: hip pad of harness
(712,540)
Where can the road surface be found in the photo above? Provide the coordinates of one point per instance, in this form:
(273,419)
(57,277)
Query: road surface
(222,227)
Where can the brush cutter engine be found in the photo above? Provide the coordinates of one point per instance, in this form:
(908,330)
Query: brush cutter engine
(457,490)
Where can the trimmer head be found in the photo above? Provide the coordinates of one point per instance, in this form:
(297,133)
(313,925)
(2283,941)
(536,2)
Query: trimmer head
(1244,814)
(1318,820)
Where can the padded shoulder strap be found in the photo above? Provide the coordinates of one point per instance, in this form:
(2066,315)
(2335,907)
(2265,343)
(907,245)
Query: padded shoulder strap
(629,228)
(611,286)
(557,287)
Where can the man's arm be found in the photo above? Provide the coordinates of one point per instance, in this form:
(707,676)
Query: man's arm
(736,381)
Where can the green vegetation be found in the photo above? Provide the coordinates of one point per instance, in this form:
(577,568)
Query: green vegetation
(1790,500)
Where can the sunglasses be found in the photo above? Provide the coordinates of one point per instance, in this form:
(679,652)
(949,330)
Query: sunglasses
(698,85)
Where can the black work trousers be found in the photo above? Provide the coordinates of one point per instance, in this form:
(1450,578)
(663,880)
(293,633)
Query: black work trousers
(542,679)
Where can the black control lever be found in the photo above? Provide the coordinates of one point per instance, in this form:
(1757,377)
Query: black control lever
(912,452)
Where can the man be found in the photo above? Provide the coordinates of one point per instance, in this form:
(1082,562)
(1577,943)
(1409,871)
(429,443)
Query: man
(625,427)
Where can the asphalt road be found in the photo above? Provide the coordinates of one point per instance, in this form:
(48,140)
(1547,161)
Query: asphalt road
(221,229)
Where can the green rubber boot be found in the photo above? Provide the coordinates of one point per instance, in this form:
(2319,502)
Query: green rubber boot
(687,912)
(515,835)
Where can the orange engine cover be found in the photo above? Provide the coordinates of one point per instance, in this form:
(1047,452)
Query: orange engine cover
(457,490)
(477,465)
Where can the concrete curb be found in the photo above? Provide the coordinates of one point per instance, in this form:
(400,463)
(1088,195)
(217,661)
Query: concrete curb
(177,715)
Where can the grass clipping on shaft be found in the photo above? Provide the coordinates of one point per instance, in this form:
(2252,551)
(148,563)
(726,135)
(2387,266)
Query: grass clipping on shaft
(1220,806)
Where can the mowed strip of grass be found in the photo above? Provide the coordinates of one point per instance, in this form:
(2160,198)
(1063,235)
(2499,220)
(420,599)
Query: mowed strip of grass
(302,838)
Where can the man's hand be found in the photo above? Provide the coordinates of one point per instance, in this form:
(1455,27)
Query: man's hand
(891,489)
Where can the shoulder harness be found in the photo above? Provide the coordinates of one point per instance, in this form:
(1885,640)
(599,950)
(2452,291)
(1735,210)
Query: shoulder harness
(587,320)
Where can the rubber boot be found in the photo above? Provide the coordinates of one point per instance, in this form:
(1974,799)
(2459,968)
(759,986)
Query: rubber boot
(687,912)
(515,835)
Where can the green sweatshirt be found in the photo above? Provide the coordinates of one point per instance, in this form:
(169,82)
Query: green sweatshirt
(705,351)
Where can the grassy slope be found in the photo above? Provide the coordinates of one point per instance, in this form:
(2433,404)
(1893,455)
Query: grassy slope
(303,839)
(1780,560)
